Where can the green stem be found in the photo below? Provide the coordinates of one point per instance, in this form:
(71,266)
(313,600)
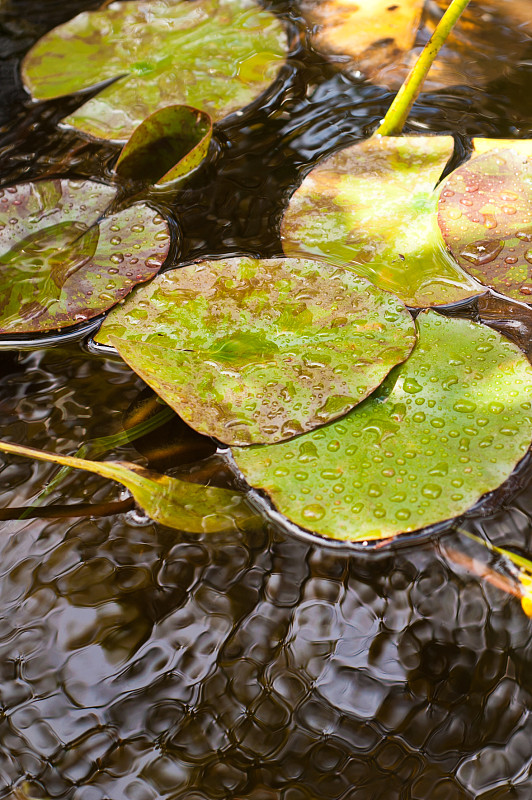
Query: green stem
(396,116)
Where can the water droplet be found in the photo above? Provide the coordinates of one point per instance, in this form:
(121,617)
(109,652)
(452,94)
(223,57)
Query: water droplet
(524,236)
(115,240)
(379,513)
(419,416)
(509,430)
(313,512)
(440,470)
(495,407)
(482,251)
(411,386)
(437,422)
(116,258)
(153,262)
(137,228)
(465,406)
(402,514)
(330,474)
(431,490)
(374,490)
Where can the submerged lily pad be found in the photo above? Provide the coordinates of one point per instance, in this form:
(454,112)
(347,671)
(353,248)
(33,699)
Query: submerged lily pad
(172,502)
(375,34)
(166,146)
(251,351)
(215,55)
(62,261)
(485,214)
(447,426)
(372,207)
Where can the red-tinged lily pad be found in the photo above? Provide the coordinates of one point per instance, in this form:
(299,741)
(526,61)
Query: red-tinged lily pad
(373,207)
(485,214)
(446,427)
(258,351)
(63,261)
(170,501)
(166,146)
(215,55)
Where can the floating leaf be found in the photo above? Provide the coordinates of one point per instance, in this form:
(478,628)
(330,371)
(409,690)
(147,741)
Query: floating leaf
(169,144)
(374,33)
(62,261)
(216,55)
(382,39)
(446,427)
(251,351)
(372,207)
(177,504)
(485,214)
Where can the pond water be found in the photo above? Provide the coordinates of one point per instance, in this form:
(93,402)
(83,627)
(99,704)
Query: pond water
(139,663)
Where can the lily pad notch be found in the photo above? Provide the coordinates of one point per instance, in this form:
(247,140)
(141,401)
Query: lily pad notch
(215,55)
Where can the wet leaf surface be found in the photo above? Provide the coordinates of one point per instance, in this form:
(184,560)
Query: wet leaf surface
(216,55)
(251,350)
(62,262)
(172,502)
(373,207)
(446,427)
(168,145)
(485,214)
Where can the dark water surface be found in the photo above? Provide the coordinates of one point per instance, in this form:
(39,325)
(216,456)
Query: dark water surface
(138,663)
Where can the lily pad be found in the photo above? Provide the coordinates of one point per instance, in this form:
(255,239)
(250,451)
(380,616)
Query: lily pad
(447,426)
(215,55)
(375,34)
(251,350)
(485,214)
(62,261)
(372,207)
(166,146)
(177,504)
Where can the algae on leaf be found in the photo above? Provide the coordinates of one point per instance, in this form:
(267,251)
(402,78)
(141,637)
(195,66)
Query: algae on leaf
(215,55)
(63,260)
(251,350)
(447,426)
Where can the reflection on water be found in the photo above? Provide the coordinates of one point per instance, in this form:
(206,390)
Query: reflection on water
(137,663)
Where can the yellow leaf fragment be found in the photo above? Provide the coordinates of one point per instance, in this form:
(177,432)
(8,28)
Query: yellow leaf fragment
(375,32)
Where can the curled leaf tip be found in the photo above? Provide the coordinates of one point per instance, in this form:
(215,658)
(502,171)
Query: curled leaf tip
(166,146)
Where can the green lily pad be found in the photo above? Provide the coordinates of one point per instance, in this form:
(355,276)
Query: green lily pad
(372,207)
(485,214)
(215,55)
(447,426)
(62,261)
(166,146)
(251,350)
(172,502)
